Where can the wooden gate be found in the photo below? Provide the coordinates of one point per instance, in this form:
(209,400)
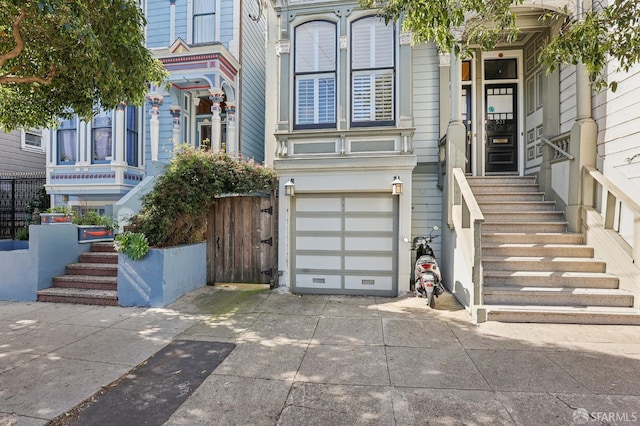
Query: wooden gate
(242,240)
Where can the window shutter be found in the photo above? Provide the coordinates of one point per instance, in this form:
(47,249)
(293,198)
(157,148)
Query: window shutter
(361,97)
(315,47)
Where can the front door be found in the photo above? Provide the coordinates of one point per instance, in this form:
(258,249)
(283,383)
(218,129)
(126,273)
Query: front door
(501,128)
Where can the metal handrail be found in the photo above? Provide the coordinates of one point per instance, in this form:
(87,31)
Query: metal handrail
(557,148)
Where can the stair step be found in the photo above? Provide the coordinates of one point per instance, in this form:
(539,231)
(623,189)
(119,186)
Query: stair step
(546,296)
(490,188)
(80,296)
(551,264)
(536,250)
(564,314)
(86,282)
(491,180)
(530,238)
(490,197)
(516,206)
(103,247)
(99,257)
(523,216)
(550,279)
(526,227)
(102,269)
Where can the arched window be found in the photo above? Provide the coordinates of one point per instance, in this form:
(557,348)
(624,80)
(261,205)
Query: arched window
(315,75)
(372,72)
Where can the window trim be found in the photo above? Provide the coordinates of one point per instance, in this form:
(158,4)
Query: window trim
(371,71)
(33,148)
(317,76)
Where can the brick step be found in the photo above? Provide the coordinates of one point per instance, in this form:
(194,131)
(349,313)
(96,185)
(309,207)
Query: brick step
(504,180)
(86,282)
(536,250)
(564,314)
(530,238)
(550,279)
(524,216)
(79,296)
(550,264)
(524,227)
(101,269)
(492,197)
(545,296)
(99,257)
(103,247)
(516,206)
(490,188)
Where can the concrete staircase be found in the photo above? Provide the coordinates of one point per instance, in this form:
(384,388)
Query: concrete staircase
(536,271)
(91,281)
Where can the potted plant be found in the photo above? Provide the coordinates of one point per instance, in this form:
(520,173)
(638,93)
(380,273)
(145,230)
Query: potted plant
(55,215)
(93,227)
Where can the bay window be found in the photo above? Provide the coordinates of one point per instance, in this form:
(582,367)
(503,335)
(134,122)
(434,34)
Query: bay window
(66,141)
(101,137)
(315,75)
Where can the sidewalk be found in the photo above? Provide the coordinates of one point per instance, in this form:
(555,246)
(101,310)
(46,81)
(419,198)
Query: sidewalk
(320,360)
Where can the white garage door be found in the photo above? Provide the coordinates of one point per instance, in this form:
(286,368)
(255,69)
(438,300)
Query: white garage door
(344,244)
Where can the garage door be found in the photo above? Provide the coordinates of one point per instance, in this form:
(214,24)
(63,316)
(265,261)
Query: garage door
(344,244)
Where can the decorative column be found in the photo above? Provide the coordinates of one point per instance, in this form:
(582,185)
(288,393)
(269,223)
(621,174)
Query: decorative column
(232,143)
(120,136)
(216,98)
(175,133)
(155,100)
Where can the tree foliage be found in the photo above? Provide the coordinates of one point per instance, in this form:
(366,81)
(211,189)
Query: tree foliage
(601,33)
(175,211)
(60,58)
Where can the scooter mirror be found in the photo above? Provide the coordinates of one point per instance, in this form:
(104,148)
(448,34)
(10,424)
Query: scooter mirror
(436,227)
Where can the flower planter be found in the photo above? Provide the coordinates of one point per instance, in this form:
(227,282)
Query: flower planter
(54,218)
(94,233)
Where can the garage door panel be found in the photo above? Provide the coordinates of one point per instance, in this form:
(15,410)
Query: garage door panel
(368,204)
(368,243)
(319,243)
(318,262)
(318,281)
(369,224)
(369,282)
(318,224)
(319,204)
(368,263)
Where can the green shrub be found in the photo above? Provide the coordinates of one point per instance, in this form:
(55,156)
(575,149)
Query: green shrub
(175,211)
(134,244)
(23,233)
(93,218)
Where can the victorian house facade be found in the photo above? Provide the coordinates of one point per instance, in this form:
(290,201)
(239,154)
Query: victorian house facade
(214,52)
(358,106)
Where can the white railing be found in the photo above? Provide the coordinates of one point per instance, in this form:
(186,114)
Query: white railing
(612,196)
(558,144)
(467,221)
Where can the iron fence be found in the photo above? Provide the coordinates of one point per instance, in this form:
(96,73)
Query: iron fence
(16,192)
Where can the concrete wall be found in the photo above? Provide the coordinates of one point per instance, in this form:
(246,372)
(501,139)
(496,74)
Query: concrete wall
(51,249)
(162,276)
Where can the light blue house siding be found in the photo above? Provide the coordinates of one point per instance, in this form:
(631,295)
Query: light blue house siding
(252,81)
(158,22)
(226,22)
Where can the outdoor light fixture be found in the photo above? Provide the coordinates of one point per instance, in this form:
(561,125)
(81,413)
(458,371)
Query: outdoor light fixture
(396,186)
(290,188)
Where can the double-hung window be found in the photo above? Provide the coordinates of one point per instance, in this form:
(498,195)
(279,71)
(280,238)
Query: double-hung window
(102,137)
(315,75)
(372,72)
(132,123)
(204,21)
(31,140)
(67,142)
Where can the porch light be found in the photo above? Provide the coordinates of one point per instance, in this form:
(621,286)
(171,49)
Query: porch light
(396,186)
(290,188)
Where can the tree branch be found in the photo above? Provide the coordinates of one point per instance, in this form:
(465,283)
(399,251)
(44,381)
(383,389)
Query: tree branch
(13,53)
(7,78)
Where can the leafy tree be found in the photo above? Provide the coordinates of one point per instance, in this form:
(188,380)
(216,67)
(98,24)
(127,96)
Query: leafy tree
(59,58)
(603,32)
